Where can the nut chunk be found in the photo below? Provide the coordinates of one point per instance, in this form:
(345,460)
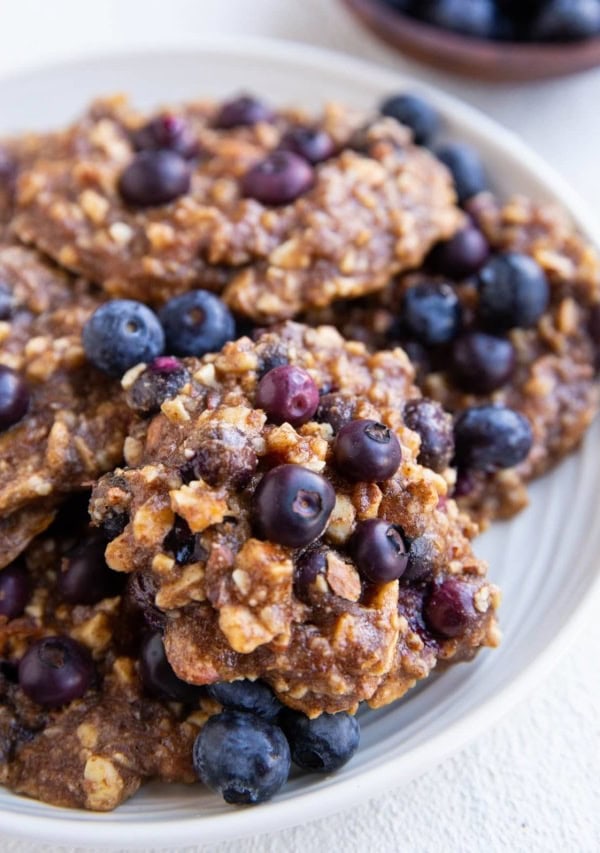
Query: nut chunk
(332,582)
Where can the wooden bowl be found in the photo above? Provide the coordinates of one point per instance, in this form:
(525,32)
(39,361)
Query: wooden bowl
(473,57)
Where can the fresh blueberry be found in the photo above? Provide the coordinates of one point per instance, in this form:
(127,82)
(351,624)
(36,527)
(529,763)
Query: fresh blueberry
(7,303)
(431,313)
(278,179)
(154,178)
(435,428)
(242,757)
(158,677)
(85,578)
(308,566)
(15,590)
(256,697)
(513,292)
(292,505)
(414,112)
(368,451)
(14,397)
(482,363)
(466,168)
(312,143)
(166,131)
(243,111)
(55,670)
(461,256)
(449,608)
(567,20)
(421,560)
(161,380)
(288,394)
(122,333)
(491,437)
(379,550)
(321,745)
(196,323)
(471,17)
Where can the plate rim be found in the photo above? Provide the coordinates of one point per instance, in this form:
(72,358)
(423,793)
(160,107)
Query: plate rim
(342,794)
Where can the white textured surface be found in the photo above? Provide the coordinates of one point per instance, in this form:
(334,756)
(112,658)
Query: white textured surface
(531,783)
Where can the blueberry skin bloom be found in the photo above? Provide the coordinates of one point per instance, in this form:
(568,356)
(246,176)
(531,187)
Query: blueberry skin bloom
(278,179)
(256,697)
(491,437)
(367,451)
(379,550)
(154,178)
(55,671)
(324,744)
(567,20)
(513,292)
(435,429)
(414,112)
(196,323)
(312,143)
(288,393)
(241,756)
(120,334)
(431,313)
(292,505)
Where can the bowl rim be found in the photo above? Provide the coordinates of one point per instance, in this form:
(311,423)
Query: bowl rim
(62,826)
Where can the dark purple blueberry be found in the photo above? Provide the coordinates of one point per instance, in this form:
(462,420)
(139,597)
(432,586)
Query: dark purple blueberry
(466,168)
(14,397)
(461,256)
(158,677)
(288,394)
(421,560)
(122,333)
(196,323)
(242,757)
(181,542)
(567,20)
(435,429)
(513,292)
(292,505)
(166,131)
(307,568)
(482,363)
(491,437)
(414,112)
(256,697)
(14,590)
(449,608)
(336,409)
(367,451)
(7,304)
(379,550)
(154,178)
(224,456)
(162,380)
(312,143)
(243,111)
(85,578)
(469,17)
(431,313)
(278,179)
(321,745)
(55,670)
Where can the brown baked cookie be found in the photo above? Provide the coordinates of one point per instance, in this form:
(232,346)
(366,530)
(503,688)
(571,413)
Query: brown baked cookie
(542,365)
(91,735)
(216,208)
(63,422)
(272,550)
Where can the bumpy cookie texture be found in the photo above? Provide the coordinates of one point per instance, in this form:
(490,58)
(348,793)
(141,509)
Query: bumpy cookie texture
(183,512)
(553,381)
(95,752)
(76,421)
(369,213)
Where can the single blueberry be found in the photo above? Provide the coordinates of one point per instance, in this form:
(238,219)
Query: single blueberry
(288,394)
(292,505)
(15,590)
(470,17)
(321,745)
(449,608)
(161,380)
(421,560)
(256,697)
(491,437)
(513,292)
(435,428)
(379,550)
(482,363)
(242,757)
(462,255)
(367,451)
(122,333)
(158,677)
(567,20)
(466,168)
(337,409)
(278,179)
(307,568)
(243,111)
(312,143)
(431,313)
(85,578)
(55,670)
(196,323)
(154,178)
(14,397)
(414,112)
(166,131)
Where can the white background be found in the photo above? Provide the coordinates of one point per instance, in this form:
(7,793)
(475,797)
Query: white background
(533,782)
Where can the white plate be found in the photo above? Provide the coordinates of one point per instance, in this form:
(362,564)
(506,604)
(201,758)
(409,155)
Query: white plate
(546,560)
